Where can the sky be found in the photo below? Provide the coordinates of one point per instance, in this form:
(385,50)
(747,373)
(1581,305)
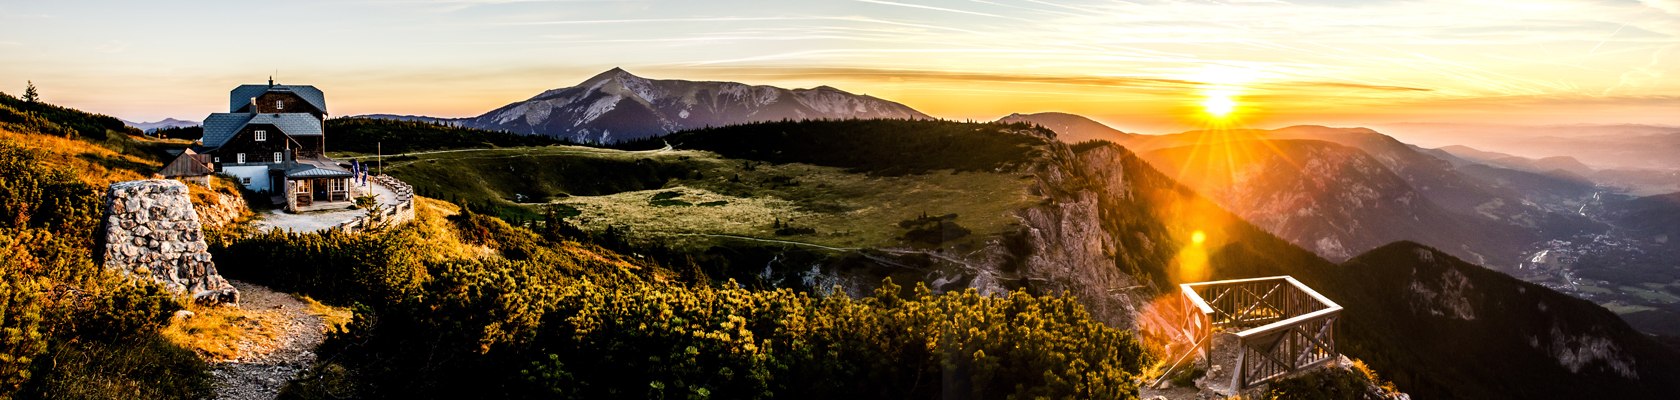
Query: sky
(1140,66)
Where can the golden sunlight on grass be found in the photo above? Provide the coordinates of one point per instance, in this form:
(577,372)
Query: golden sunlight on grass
(334,318)
(216,332)
(83,157)
(442,241)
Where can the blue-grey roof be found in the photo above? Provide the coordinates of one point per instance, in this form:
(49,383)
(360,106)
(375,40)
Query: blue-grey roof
(220,127)
(293,124)
(317,168)
(240,96)
(315,172)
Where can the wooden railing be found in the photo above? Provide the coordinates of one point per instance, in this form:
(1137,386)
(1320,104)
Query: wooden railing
(399,210)
(1284,326)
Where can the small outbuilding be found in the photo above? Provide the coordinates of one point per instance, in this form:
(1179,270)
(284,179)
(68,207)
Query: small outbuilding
(191,167)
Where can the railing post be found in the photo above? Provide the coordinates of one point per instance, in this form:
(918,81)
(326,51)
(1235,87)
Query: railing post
(1239,375)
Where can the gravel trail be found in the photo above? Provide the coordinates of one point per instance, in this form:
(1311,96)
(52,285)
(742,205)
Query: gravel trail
(265,364)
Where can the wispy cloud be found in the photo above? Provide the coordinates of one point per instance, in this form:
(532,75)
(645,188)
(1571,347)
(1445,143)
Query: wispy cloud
(927,7)
(1141,83)
(662,20)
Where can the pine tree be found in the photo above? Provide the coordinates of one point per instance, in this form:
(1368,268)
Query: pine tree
(30,94)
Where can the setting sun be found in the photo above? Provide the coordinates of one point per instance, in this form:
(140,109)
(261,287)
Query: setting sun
(1219,104)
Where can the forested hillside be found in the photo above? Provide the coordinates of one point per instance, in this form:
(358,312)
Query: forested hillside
(874,146)
(70,328)
(368,135)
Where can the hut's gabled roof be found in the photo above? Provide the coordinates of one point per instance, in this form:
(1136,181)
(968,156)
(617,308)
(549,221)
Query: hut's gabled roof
(241,96)
(189,163)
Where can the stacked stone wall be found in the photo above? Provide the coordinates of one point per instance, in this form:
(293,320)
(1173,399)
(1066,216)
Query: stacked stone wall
(152,232)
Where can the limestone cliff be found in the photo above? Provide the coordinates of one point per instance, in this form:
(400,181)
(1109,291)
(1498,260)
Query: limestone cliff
(1078,242)
(152,231)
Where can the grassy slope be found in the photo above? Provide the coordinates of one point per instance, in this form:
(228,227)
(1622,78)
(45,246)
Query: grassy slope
(846,205)
(106,342)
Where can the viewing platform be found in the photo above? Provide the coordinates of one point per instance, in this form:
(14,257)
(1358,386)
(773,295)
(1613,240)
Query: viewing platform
(1252,331)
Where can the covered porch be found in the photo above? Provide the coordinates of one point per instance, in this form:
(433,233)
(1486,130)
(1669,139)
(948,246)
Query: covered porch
(315,186)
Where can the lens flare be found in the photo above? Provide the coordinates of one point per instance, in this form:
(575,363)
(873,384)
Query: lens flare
(1219,104)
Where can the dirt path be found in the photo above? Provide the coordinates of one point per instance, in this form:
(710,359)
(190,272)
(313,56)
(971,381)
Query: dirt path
(265,364)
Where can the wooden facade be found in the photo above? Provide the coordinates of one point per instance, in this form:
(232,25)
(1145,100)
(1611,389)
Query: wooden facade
(273,140)
(264,151)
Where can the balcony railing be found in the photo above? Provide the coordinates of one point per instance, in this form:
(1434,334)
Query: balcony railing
(1283,326)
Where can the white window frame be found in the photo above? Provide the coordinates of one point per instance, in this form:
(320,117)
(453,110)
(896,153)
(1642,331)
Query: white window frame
(259,135)
(245,180)
(279,104)
(240,157)
(279,157)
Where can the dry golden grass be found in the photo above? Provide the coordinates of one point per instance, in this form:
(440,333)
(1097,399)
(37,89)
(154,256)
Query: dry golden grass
(334,317)
(441,240)
(216,332)
(63,153)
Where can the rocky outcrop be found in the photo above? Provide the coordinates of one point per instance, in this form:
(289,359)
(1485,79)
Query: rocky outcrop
(1066,245)
(216,209)
(153,232)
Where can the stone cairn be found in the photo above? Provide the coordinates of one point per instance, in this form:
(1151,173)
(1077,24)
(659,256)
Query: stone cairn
(152,231)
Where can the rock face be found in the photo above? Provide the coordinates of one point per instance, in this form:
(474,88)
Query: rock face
(152,231)
(218,209)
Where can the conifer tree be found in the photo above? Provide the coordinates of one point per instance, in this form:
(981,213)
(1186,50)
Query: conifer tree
(30,94)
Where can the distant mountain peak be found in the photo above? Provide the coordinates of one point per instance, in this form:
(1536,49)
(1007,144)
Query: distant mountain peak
(616,105)
(611,73)
(164,123)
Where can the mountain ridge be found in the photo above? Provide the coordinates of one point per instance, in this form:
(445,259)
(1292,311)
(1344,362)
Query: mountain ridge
(618,106)
(1070,128)
(149,127)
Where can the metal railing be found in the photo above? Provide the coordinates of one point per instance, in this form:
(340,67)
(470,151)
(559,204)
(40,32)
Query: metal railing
(1284,326)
